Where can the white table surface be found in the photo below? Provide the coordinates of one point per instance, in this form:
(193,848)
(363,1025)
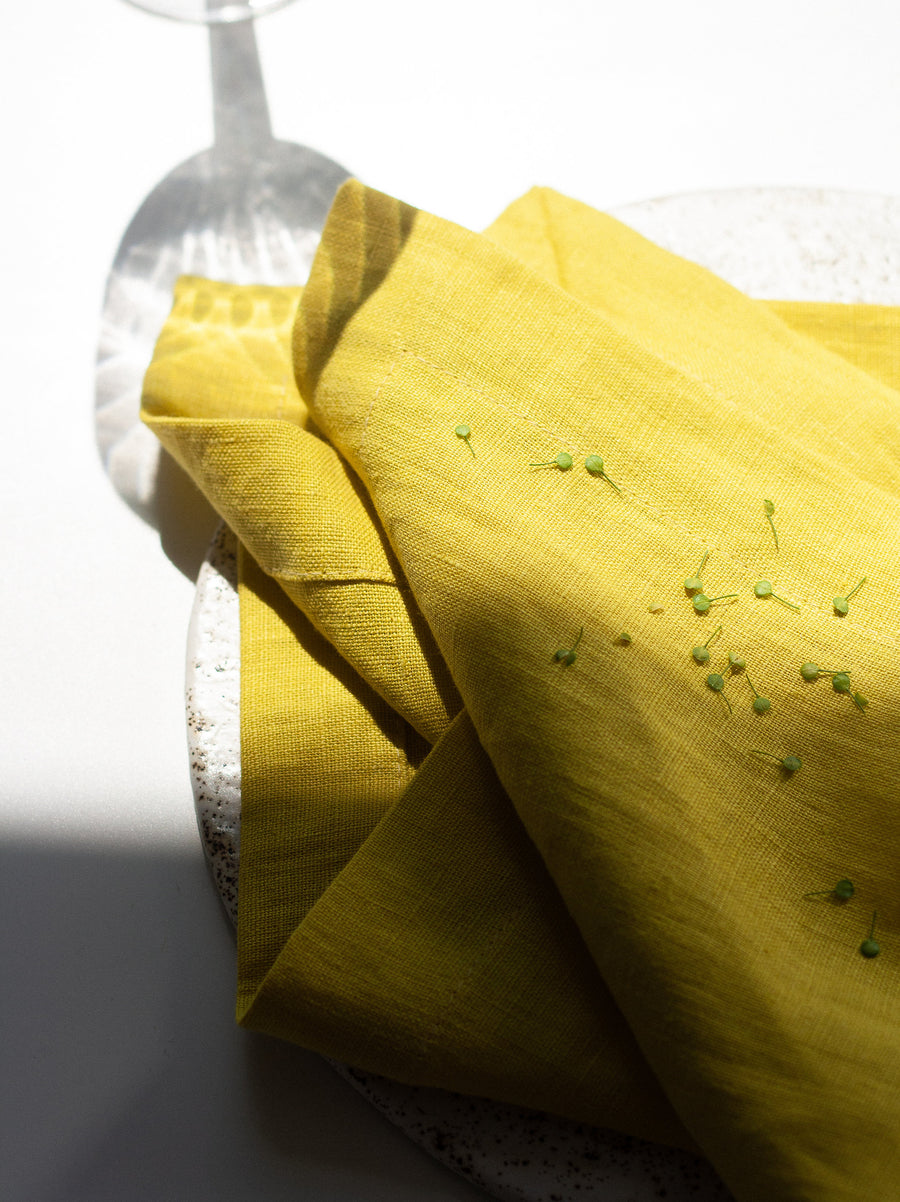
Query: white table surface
(123,1076)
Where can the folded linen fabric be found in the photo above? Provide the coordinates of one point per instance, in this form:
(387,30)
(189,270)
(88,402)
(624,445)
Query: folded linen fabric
(323,757)
(645,954)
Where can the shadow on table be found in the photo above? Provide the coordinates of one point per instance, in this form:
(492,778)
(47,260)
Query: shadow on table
(184,518)
(124,1074)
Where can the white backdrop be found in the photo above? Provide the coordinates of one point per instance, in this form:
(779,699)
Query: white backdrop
(123,1076)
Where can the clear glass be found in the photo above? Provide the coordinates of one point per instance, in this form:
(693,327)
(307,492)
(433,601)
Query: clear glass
(210,12)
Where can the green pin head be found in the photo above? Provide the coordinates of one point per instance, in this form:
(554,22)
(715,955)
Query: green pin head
(763,588)
(736,662)
(842,604)
(810,671)
(701,653)
(566,655)
(840,682)
(694,584)
(716,682)
(869,948)
(701,602)
(563,461)
(465,433)
(761,705)
(842,891)
(790,763)
(594,464)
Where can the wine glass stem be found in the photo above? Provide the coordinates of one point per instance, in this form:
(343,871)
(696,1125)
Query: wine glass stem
(240,108)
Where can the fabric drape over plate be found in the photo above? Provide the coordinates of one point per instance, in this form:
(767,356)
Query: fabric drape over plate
(467,863)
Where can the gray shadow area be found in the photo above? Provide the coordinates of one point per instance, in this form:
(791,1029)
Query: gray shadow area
(124,1074)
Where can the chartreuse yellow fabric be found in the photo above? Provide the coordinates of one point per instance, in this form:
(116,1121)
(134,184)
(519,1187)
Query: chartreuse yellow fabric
(867,335)
(620,933)
(221,397)
(682,858)
(317,775)
(442,952)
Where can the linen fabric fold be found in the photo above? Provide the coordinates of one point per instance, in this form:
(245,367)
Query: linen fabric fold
(590,895)
(220,395)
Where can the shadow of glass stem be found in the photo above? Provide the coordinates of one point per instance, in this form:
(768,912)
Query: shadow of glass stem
(249,209)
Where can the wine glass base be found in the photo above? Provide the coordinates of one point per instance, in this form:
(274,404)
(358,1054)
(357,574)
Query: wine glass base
(202,12)
(237,219)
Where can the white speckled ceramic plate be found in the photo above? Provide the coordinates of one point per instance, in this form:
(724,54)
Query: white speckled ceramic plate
(771,243)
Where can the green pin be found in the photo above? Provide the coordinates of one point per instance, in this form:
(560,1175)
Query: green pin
(717,683)
(790,763)
(811,671)
(763,588)
(563,461)
(694,584)
(566,655)
(701,653)
(701,602)
(769,510)
(465,433)
(840,682)
(625,638)
(841,604)
(594,465)
(843,891)
(869,948)
(761,705)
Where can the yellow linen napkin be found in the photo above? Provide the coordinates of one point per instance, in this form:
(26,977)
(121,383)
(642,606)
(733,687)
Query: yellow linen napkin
(440,953)
(682,859)
(306,809)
